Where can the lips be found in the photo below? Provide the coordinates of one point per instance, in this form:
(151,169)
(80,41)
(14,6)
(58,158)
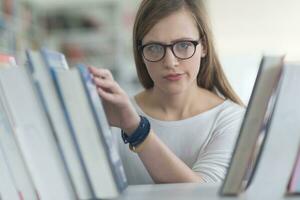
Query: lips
(173,77)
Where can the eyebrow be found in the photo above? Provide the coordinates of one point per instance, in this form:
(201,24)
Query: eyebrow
(172,41)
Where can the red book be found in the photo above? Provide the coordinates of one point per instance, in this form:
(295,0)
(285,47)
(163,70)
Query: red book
(294,185)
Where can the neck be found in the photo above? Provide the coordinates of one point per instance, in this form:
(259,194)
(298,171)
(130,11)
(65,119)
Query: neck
(175,106)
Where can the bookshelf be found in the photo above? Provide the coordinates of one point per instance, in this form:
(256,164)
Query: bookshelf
(192,191)
(18,28)
(90,35)
(99,33)
(8,24)
(271,175)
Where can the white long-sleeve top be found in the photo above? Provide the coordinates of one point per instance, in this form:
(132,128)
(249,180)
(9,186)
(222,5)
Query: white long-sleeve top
(204,142)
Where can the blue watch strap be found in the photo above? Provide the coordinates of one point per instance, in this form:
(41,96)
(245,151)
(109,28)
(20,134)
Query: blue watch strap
(139,135)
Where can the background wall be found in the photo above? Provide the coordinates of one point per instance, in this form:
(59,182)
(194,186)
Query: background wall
(245,30)
(243,27)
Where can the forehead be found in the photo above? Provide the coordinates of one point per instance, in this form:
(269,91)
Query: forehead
(180,24)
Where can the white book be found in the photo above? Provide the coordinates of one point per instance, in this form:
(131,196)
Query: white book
(34,136)
(14,157)
(8,190)
(87,134)
(103,128)
(282,144)
(42,77)
(252,132)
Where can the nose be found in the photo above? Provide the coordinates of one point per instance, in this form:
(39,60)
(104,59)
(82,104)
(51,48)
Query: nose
(170,59)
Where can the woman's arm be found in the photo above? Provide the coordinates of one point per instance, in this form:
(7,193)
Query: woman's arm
(161,163)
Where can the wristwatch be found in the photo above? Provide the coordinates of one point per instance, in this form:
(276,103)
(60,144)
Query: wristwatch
(138,136)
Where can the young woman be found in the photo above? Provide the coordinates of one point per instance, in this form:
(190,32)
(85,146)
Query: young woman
(183,126)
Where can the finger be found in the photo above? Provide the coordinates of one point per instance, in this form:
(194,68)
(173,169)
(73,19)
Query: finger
(105,95)
(101,73)
(92,70)
(106,84)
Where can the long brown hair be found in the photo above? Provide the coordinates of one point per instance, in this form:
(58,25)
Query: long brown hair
(211,75)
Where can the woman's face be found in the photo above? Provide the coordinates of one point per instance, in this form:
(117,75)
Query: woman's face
(171,74)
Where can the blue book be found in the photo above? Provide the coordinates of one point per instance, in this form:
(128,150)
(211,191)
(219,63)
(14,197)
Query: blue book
(103,127)
(54,59)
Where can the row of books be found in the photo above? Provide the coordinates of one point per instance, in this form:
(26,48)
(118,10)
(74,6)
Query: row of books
(272,113)
(55,141)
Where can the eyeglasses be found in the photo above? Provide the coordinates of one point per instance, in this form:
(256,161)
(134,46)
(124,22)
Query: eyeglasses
(154,52)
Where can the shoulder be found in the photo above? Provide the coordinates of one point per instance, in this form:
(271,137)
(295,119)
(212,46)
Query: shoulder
(230,117)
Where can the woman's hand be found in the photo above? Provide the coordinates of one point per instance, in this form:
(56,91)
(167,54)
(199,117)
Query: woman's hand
(118,108)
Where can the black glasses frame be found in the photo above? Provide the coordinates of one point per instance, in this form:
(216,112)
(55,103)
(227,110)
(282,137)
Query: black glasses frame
(171,46)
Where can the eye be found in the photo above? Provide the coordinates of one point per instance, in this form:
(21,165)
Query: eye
(153,48)
(183,45)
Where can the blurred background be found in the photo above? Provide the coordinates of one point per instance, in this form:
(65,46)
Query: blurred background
(99,33)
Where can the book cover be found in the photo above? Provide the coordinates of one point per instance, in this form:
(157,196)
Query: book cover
(294,184)
(41,75)
(34,135)
(13,155)
(253,129)
(8,189)
(279,154)
(103,127)
(82,120)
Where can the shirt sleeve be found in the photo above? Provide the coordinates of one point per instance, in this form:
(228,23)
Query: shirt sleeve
(213,159)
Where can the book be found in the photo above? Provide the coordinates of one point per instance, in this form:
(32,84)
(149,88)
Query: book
(8,189)
(294,184)
(82,119)
(13,155)
(103,127)
(54,59)
(252,132)
(41,74)
(282,143)
(34,136)
(7,60)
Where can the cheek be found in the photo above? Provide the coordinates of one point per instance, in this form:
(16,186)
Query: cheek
(193,65)
(152,69)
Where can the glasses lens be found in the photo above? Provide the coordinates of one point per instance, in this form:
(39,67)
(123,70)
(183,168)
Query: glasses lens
(153,52)
(184,49)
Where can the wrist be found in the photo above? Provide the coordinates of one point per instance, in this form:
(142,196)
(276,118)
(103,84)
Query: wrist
(139,135)
(132,126)
(131,121)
